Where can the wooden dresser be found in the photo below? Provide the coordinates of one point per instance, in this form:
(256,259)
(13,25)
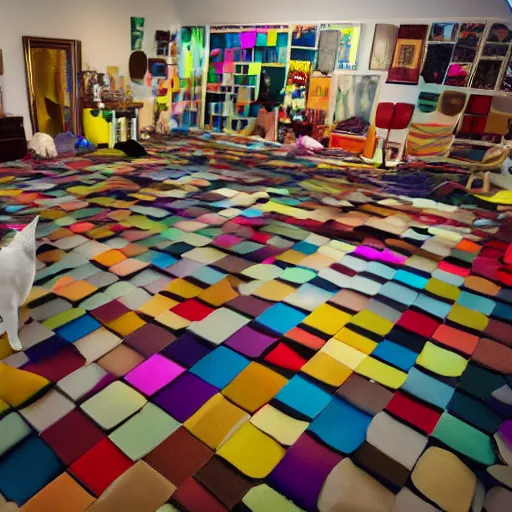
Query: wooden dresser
(13,143)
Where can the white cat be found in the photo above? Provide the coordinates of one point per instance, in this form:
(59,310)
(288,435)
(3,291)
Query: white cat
(43,145)
(17,272)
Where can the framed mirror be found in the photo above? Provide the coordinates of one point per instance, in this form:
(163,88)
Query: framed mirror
(52,67)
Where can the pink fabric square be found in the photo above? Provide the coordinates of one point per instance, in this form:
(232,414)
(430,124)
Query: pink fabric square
(153,374)
(227,240)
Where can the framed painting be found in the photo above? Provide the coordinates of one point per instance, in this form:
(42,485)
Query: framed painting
(406,63)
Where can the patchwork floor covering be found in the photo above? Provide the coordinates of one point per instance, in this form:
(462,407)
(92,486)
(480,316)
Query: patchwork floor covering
(215,328)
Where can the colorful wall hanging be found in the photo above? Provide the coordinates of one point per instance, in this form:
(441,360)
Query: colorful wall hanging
(136,33)
(348,44)
(383,46)
(328,50)
(406,63)
(436,62)
(162,41)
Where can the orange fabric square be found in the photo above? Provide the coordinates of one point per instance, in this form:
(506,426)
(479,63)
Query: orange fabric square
(120,361)
(75,291)
(305,338)
(126,324)
(219,293)
(183,288)
(255,386)
(110,258)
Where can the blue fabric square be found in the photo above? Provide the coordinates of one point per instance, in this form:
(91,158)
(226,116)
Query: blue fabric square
(303,396)
(432,306)
(219,367)
(208,275)
(502,311)
(411,279)
(78,328)
(305,248)
(395,354)
(280,318)
(427,388)
(163,260)
(341,426)
(28,468)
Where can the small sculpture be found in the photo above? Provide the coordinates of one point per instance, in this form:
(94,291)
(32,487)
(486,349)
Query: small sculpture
(43,145)
(18,269)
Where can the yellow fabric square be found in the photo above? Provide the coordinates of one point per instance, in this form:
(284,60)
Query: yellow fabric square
(317,261)
(183,288)
(361,343)
(442,289)
(219,293)
(372,322)
(291,256)
(216,421)
(327,369)
(381,373)
(157,305)
(468,318)
(328,319)
(5,347)
(254,386)
(172,320)
(4,406)
(63,318)
(36,293)
(273,290)
(441,361)
(283,428)
(17,386)
(345,354)
(252,452)
(126,324)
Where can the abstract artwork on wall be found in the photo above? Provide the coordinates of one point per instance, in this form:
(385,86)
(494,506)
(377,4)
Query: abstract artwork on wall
(384,40)
(304,36)
(487,74)
(157,68)
(443,32)
(354,96)
(436,62)
(406,63)
(318,97)
(506,83)
(136,33)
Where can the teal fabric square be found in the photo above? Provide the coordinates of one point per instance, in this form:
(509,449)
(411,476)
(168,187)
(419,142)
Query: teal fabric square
(208,275)
(502,311)
(305,248)
(303,396)
(280,318)
(219,367)
(398,293)
(28,468)
(381,270)
(341,426)
(476,302)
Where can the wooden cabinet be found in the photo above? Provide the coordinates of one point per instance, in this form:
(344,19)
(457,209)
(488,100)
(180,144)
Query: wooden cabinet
(13,143)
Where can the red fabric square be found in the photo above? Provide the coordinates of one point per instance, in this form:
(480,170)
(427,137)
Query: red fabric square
(413,412)
(109,311)
(193,497)
(100,466)
(479,104)
(466,124)
(72,436)
(478,124)
(285,357)
(58,365)
(420,324)
(454,269)
(261,238)
(192,310)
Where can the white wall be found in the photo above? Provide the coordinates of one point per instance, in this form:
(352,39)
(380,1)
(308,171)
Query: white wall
(268,11)
(103,27)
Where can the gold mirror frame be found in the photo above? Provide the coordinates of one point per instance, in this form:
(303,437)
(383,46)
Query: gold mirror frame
(74,50)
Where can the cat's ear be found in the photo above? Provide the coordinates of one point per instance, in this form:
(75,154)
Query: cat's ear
(26,238)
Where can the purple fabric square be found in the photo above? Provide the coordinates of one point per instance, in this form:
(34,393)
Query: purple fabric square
(303,470)
(186,395)
(45,349)
(187,350)
(249,342)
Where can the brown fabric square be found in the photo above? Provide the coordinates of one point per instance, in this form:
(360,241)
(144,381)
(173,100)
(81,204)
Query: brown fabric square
(493,355)
(224,482)
(120,361)
(149,339)
(179,456)
(368,396)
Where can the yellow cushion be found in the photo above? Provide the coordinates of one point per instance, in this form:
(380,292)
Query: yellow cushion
(441,361)
(17,386)
(252,452)
(381,373)
(328,319)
